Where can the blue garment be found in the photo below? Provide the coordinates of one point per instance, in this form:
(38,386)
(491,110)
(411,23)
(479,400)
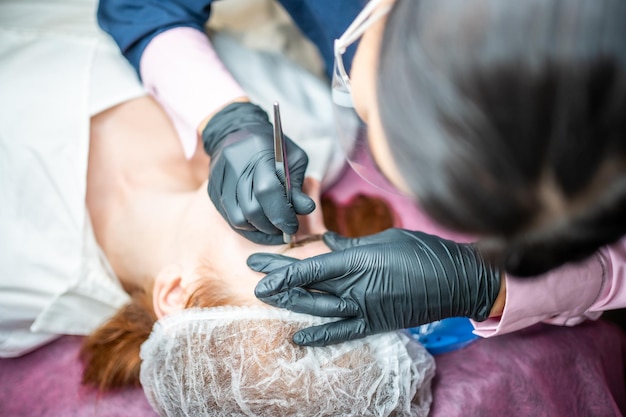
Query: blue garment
(133,23)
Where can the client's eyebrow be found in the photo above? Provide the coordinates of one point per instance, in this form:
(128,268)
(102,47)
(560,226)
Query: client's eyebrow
(302,242)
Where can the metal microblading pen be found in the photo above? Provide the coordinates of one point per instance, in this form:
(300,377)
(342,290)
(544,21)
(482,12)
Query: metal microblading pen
(282,167)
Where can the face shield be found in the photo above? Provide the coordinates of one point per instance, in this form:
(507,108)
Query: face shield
(352,133)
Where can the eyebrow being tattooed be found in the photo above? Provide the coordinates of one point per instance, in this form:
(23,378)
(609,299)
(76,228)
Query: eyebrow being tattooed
(302,242)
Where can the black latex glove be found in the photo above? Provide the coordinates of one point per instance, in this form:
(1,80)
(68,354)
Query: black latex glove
(243,183)
(388,281)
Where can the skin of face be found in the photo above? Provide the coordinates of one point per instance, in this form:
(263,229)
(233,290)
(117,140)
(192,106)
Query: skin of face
(152,214)
(210,241)
(225,260)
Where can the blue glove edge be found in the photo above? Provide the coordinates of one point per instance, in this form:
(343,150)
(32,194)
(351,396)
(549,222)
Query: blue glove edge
(444,336)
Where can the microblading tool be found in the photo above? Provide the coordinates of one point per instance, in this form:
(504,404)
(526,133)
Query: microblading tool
(280,156)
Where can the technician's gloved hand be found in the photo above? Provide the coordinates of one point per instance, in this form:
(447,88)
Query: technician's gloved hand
(388,281)
(243,183)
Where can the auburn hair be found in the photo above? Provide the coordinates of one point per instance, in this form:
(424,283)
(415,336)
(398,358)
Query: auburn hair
(111,353)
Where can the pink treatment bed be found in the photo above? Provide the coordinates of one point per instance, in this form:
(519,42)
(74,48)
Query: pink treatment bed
(540,371)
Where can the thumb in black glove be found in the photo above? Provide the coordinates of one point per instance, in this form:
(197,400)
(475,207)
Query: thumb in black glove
(388,281)
(243,184)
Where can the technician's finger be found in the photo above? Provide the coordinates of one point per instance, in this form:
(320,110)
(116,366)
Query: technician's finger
(252,209)
(268,262)
(270,193)
(226,204)
(263,238)
(302,203)
(229,202)
(304,273)
(331,333)
(314,303)
(337,242)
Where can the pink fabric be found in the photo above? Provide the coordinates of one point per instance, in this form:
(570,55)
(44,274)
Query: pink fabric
(565,296)
(613,261)
(46,383)
(180,68)
(561,297)
(541,371)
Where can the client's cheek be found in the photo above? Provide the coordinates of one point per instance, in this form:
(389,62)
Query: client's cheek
(242,288)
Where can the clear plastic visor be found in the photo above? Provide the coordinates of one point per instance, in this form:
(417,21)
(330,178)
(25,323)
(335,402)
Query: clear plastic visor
(353,137)
(352,133)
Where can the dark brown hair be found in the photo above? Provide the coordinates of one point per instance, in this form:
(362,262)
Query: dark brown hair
(508,121)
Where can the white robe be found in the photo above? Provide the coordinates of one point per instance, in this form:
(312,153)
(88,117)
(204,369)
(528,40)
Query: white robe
(56,70)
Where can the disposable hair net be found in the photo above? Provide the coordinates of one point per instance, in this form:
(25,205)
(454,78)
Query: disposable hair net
(240,361)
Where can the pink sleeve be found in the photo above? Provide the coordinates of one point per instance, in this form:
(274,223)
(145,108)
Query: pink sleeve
(180,68)
(565,296)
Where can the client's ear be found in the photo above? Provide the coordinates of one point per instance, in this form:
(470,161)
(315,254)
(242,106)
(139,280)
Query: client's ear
(168,294)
